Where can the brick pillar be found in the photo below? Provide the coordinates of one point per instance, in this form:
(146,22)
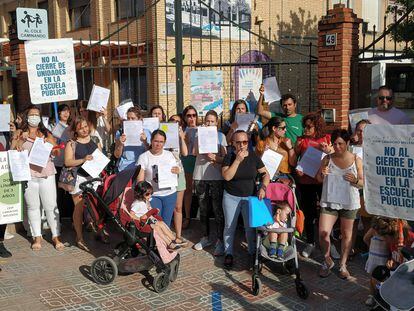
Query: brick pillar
(336,63)
(21,95)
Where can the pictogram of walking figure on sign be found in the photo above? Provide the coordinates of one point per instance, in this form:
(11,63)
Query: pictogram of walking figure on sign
(31,19)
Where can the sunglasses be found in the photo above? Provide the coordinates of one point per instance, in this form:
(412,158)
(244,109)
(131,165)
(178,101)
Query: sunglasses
(191,115)
(282,128)
(242,142)
(385,97)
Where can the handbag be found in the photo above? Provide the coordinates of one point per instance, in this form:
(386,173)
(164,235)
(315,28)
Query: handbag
(68,175)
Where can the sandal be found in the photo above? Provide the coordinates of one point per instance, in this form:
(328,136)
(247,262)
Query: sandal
(81,244)
(186,223)
(173,247)
(59,246)
(180,242)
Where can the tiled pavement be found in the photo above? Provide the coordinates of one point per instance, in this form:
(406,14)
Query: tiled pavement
(51,280)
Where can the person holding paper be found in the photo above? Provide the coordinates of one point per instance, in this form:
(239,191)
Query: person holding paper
(78,151)
(41,189)
(340,199)
(163,198)
(277,141)
(230,126)
(208,183)
(385,112)
(190,123)
(310,189)
(294,128)
(240,169)
(61,131)
(100,128)
(128,155)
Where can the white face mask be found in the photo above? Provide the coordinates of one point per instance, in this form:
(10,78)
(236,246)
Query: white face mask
(33,120)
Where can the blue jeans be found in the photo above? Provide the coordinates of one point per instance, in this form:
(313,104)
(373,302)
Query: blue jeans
(166,205)
(232,206)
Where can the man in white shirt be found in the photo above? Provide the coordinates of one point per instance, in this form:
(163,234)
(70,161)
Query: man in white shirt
(385,113)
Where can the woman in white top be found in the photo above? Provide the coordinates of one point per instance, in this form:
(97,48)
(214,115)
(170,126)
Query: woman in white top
(341,173)
(152,162)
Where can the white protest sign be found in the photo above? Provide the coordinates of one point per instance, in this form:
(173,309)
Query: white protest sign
(40,152)
(250,80)
(133,131)
(244,120)
(95,166)
(122,109)
(166,178)
(11,194)
(51,70)
(357,115)
(271,159)
(338,189)
(4,118)
(99,98)
(171,131)
(389,170)
(310,162)
(32,24)
(207,139)
(272,92)
(19,165)
(151,124)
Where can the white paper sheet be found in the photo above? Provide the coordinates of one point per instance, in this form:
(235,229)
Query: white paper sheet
(19,165)
(310,163)
(171,130)
(272,92)
(97,164)
(167,179)
(338,189)
(133,130)
(4,118)
(243,120)
(355,117)
(122,109)
(45,121)
(358,151)
(271,159)
(151,124)
(207,139)
(40,152)
(99,98)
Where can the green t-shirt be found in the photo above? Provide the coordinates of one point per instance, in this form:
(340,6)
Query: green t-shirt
(294,127)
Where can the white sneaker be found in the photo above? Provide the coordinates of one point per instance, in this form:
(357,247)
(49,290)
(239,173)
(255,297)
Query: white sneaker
(308,250)
(204,242)
(334,252)
(8,236)
(219,249)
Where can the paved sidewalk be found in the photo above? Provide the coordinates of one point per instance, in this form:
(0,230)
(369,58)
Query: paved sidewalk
(51,280)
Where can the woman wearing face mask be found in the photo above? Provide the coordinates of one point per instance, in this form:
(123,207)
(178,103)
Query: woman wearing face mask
(61,131)
(41,189)
(190,123)
(240,169)
(349,167)
(163,198)
(310,188)
(128,155)
(78,151)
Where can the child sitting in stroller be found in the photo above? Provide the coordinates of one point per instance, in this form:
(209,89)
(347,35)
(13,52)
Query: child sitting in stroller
(141,206)
(278,240)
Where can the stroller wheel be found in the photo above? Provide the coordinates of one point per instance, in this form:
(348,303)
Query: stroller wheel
(301,290)
(104,270)
(174,266)
(256,285)
(161,282)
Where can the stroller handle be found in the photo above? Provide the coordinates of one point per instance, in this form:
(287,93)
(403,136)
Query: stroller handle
(88,183)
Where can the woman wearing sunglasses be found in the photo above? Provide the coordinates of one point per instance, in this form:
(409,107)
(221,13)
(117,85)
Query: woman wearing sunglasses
(190,123)
(239,171)
(276,141)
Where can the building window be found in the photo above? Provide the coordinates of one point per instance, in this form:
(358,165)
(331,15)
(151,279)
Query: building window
(129,8)
(79,14)
(133,86)
(371,14)
(85,83)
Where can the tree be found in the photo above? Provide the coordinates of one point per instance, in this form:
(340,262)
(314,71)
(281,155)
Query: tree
(403,32)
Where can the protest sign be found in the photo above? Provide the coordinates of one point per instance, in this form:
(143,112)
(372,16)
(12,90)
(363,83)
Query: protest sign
(271,159)
(99,98)
(357,115)
(122,109)
(150,124)
(51,70)
(207,139)
(19,165)
(4,118)
(310,162)
(133,131)
(272,92)
(11,194)
(95,166)
(250,80)
(389,170)
(244,120)
(171,131)
(206,91)
(40,152)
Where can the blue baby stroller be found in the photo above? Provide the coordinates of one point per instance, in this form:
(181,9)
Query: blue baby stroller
(259,218)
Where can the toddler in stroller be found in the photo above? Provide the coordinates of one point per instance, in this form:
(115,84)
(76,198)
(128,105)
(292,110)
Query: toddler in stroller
(137,252)
(281,212)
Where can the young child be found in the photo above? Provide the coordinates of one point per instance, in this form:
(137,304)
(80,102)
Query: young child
(141,206)
(278,240)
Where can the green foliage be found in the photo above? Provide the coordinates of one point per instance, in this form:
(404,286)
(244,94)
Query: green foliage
(403,32)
